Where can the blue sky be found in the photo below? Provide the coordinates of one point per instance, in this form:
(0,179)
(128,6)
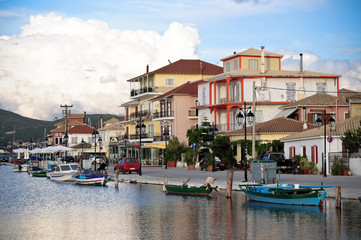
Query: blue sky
(327,32)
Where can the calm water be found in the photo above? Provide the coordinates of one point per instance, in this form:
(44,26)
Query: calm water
(37,208)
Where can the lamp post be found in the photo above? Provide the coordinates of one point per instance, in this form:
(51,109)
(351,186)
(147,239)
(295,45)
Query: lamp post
(214,131)
(125,138)
(82,149)
(166,137)
(140,128)
(325,117)
(95,134)
(245,115)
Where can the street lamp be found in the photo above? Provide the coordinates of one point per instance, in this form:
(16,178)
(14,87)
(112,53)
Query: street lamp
(94,134)
(82,149)
(125,138)
(140,129)
(326,117)
(214,131)
(245,115)
(165,137)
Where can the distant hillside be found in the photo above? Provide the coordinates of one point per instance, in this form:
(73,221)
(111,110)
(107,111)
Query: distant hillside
(27,129)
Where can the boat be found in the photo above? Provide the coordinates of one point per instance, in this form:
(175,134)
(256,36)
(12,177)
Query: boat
(88,178)
(21,168)
(40,173)
(63,172)
(184,189)
(290,194)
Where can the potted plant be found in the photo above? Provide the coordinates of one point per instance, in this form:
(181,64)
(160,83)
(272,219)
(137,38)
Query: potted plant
(208,161)
(188,158)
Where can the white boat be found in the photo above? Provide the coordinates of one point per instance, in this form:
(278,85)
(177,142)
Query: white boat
(63,172)
(21,168)
(90,179)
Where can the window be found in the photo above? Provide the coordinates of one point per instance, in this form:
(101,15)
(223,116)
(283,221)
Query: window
(291,92)
(235,64)
(314,154)
(303,151)
(292,152)
(321,87)
(203,96)
(169,81)
(253,64)
(227,67)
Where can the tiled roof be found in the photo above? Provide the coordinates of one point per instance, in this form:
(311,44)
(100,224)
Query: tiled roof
(318,99)
(254,52)
(115,126)
(341,127)
(349,94)
(111,121)
(81,129)
(278,125)
(189,88)
(186,66)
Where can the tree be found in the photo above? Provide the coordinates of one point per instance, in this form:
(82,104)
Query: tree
(352,140)
(174,150)
(223,149)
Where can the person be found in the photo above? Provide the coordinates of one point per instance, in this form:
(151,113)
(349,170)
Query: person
(102,166)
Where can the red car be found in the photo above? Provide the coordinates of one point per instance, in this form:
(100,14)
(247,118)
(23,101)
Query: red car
(127,164)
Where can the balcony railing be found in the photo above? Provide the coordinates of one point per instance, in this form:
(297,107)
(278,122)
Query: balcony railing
(136,136)
(144,113)
(193,113)
(163,114)
(135,92)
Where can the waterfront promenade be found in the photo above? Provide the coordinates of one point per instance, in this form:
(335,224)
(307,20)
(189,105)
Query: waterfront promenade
(350,185)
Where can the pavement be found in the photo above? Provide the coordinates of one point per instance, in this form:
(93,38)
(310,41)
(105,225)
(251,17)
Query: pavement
(350,185)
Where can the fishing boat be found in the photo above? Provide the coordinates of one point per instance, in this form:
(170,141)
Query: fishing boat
(184,189)
(88,178)
(40,173)
(292,194)
(63,172)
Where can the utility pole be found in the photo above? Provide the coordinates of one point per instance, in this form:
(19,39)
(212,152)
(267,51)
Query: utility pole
(66,112)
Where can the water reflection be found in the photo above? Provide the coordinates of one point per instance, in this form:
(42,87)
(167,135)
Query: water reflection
(36,208)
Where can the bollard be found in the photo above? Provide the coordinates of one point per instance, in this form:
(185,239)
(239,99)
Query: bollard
(338,196)
(165,182)
(229,183)
(28,170)
(116,178)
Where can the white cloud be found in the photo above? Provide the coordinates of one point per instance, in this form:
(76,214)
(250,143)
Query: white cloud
(57,60)
(350,70)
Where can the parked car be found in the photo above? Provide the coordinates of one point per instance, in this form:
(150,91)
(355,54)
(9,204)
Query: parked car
(127,164)
(68,159)
(286,165)
(218,164)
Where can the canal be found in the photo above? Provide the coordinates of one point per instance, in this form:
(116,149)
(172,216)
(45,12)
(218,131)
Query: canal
(37,208)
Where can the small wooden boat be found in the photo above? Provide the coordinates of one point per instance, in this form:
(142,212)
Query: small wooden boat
(184,189)
(40,173)
(88,178)
(287,194)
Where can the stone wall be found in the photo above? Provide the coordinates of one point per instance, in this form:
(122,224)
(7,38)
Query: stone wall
(355,166)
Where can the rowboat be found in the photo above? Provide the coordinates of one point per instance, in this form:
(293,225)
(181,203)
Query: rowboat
(292,194)
(40,173)
(184,189)
(87,178)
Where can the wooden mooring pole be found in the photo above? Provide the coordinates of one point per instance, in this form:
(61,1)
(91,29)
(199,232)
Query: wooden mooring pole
(165,183)
(229,183)
(116,178)
(338,196)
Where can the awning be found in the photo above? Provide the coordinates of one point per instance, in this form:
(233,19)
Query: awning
(286,112)
(155,145)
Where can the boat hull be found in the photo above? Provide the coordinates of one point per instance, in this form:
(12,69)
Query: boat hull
(60,177)
(39,174)
(313,198)
(96,181)
(188,191)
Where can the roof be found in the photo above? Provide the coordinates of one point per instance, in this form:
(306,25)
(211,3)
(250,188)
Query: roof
(341,127)
(186,66)
(318,99)
(130,103)
(80,129)
(111,121)
(254,52)
(278,125)
(115,126)
(349,94)
(188,88)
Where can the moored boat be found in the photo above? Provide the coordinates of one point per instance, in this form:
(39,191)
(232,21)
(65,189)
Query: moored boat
(40,173)
(184,189)
(287,194)
(88,178)
(63,172)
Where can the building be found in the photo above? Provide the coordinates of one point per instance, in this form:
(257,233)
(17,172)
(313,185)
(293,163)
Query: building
(142,109)
(255,75)
(310,143)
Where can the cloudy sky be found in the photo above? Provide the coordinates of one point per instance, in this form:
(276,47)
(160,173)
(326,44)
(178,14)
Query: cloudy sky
(82,52)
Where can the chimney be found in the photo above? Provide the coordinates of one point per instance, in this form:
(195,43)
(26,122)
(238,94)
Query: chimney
(234,53)
(147,69)
(262,59)
(304,119)
(101,122)
(301,63)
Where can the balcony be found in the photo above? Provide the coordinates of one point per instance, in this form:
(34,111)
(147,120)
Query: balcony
(143,114)
(193,113)
(168,114)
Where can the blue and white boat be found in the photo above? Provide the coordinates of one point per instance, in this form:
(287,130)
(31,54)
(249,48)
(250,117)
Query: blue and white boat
(291,194)
(88,178)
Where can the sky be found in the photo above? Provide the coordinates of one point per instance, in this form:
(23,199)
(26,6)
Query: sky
(82,52)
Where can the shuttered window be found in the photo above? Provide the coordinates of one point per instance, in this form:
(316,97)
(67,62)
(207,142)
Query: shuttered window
(291,92)
(314,154)
(292,152)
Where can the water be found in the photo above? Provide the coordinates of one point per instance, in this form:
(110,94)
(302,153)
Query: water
(37,208)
